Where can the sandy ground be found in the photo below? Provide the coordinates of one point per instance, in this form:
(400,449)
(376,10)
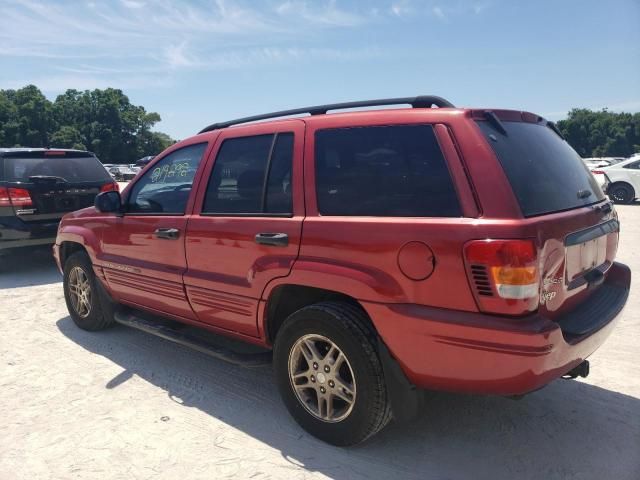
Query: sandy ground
(125,405)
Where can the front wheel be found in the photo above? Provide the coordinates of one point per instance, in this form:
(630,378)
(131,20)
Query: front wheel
(329,373)
(84,297)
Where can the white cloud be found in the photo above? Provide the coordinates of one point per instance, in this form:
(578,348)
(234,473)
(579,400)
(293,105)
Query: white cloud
(401,8)
(132,3)
(134,42)
(178,56)
(478,8)
(259,57)
(164,31)
(437,11)
(327,13)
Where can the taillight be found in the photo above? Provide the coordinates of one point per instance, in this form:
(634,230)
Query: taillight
(505,275)
(598,172)
(16,197)
(4,197)
(110,187)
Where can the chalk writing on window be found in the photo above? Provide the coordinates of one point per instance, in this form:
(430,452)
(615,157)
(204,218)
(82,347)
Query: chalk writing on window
(170,173)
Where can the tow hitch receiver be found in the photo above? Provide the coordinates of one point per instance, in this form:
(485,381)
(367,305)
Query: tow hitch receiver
(581,370)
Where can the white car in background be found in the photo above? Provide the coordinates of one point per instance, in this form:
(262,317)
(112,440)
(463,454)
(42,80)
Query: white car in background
(601,178)
(602,161)
(625,179)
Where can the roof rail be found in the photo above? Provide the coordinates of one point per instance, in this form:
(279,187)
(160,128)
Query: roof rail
(422,101)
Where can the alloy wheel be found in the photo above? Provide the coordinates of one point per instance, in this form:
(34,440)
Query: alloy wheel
(322,378)
(80,291)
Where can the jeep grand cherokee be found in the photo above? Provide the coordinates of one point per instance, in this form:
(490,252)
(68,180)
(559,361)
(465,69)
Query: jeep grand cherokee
(377,253)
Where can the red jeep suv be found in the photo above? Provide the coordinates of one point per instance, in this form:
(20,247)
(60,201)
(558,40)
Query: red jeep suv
(376,253)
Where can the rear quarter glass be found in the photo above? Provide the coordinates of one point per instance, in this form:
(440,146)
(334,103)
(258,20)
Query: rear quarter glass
(383,171)
(545,173)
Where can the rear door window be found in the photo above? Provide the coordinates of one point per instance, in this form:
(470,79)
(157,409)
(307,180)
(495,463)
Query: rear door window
(383,171)
(252,176)
(545,173)
(71,169)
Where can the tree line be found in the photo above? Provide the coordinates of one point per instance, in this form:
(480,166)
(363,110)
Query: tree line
(102,121)
(602,133)
(108,124)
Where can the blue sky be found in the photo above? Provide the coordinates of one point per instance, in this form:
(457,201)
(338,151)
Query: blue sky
(204,61)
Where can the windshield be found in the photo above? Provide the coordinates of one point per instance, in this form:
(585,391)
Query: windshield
(70,169)
(545,173)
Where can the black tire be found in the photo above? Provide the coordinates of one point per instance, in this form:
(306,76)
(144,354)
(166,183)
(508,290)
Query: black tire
(621,193)
(100,312)
(344,325)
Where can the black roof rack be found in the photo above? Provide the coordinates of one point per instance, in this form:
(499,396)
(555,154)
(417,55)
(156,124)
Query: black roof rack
(422,101)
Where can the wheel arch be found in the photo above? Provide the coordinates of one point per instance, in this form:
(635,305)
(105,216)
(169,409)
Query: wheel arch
(74,238)
(68,248)
(287,298)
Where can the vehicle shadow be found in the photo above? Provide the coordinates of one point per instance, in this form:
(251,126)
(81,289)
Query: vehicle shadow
(26,267)
(567,430)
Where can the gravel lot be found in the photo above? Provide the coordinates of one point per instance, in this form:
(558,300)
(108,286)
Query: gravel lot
(124,404)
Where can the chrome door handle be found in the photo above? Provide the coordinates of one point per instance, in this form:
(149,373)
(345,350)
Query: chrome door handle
(167,233)
(273,239)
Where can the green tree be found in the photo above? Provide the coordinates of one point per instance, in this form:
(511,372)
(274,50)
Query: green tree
(8,125)
(28,118)
(67,137)
(602,133)
(103,121)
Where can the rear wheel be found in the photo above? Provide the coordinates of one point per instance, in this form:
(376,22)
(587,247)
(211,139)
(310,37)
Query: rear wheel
(621,193)
(86,301)
(329,373)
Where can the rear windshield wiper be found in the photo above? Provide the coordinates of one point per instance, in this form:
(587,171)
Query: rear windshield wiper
(495,121)
(48,178)
(555,128)
(584,194)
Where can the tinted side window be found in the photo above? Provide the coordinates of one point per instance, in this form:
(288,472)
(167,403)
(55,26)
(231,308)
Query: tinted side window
(166,187)
(237,183)
(383,171)
(278,197)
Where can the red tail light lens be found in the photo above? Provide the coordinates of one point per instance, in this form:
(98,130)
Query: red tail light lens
(16,197)
(4,197)
(110,187)
(598,172)
(505,274)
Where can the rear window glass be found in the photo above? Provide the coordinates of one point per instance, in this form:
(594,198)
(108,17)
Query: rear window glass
(545,173)
(70,169)
(383,171)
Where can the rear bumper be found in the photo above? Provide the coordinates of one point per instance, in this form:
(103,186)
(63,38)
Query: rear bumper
(14,233)
(478,353)
(31,242)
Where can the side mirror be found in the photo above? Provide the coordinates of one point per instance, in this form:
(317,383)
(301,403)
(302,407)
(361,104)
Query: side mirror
(108,202)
